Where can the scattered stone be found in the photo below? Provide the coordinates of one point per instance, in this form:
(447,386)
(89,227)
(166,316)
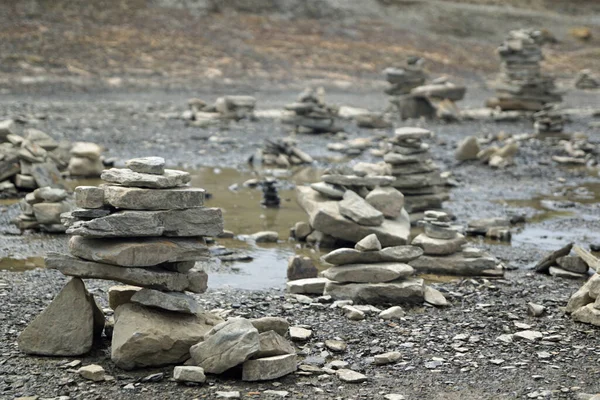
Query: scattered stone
(535,310)
(387,358)
(265,237)
(273,344)
(468,149)
(189,374)
(347,375)
(353,313)
(92,372)
(299,334)
(561,273)
(434,297)
(528,335)
(337,346)
(395,312)
(269,368)
(307,286)
(228,395)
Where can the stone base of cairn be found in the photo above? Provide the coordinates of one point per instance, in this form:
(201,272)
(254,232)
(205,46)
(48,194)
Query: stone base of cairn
(586,80)
(42,209)
(283,153)
(226,108)
(351,204)
(310,114)
(444,251)
(521,84)
(549,122)
(584,305)
(416,175)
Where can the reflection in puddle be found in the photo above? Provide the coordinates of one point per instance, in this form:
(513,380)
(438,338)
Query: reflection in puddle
(12,264)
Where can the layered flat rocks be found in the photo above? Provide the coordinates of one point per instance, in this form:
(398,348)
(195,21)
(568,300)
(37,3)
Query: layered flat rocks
(405,291)
(401,159)
(358,210)
(154,278)
(147,165)
(169,301)
(128,198)
(456,264)
(415,181)
(182,223)
(408,132)
(364,273)
(432,246)
(399,254)
(139,252)
(354,180)
(126,177)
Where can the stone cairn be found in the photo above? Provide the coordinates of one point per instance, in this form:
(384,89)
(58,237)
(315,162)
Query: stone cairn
(42,209)
(283,153)
(561,263)
(416,175)
(443,251)
(145,227)
(226,108)
(549,122)
(270,196)
(584,305)
(310,114)
(351,203)
(521,84)
(402,80)
(585,79)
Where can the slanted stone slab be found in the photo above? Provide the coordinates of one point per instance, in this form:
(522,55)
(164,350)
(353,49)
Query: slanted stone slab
(273,344)
(398,292)
(277,324)
(544,264)
(140,252)
(307,286)
(121,294)
(456,264)
(268,368)
(126,177)
(324,216)
(402,254)
(147,165)
(154,278)
(328,190)
(587,314)
(147,337)
(353,180)
(358,210)
(63,329)
(128,198)
(402,159)
(439,247)
(169,301)
(357,273)
(182,223)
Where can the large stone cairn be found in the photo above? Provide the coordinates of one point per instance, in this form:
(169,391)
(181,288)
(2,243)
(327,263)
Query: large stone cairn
(444,251)
(42,210)
(416,175)
(310,114)
(521,84)
(351,203)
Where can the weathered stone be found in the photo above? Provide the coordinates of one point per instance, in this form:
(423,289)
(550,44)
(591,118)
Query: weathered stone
(545,264)
(182,223)
(353,313)
(50,194)
(345,256)
(194,281)
(189,374)
(455,264)
(49,213)
(228,395)
(388,200)
(587,314)
(121,294)
(337,346)
(387,358)
(25,182)
(277,324)
(147,165)
(273,344)
(408,132)
(307,286)
(363,273)
(406,291)
(324,216)
(85,167)
(302,230)
(347,375)
(535,310)
(146,337)
(299,334)
(396,159)
(592,261)
(358,210)
(562,273)
(226,345)
(467,149)
(141,252)
(435,231)
(92,372)
(169,301)
(433,246)
(434,297)
(394,312)
(62,329)
(354,180)
(264,369)
(368,243)
(86,150)
(126,177)
(300,267)
(573,264)
(88,213)
(128,198)
(46,174)
(89,197)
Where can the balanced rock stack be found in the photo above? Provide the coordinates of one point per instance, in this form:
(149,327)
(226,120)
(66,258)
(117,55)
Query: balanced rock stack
(86,160)
(310,114)
(145,228)
(402,80)
(549,122)
(350,204)
(374,275)
(443,251)
(42,209)
(521,84)
(283,153)
(416,175)
(270,196)
(234,107)
(586,80)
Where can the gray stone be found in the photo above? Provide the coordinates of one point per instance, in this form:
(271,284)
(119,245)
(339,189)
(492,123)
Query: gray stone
(121,294)
(561,273)
(300,267)
(126,177)
(353,313)
(439,247)
(25,182)
(147,165)
(401,159)
(307,286)
(302,230)
(388,200)
(85,167)
(579,299)
(337,346)
(363,273)
(189,374)
(345,256)
(141,252)
(439,232)
(394,396)
(298,334)
(226,345)
(368,243)
(89,197)
(92,372)
(273,344)
(7,127)
(277,324)
(467,149)
(46,174)
(49,213)
(573,264)
(182,223)
(406,291)
(194,281)
(549,260)
(228,395)
(387,358)
(86,150)
(50,194)
(40,138)
(128,198)
(455,264)
(88,213)
(147,337)
(592,261)
(435,297)
(394,312)
(349,376)
(408,132)
(265,237)
(587,314)
(268,368)
(529,335)
(328,190)
(358,210)
(418,183)
(169,301)
(353,180)
(535,310)
(62,329)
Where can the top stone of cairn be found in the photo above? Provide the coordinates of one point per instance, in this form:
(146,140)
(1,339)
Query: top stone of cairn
(412,133)
(170,178)
(147,165)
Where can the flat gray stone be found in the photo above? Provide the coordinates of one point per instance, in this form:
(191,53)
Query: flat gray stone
(139,252)
(388,200)
(353,180)
(46,174)
(363,273)
(408,132)
(300,267)
(328,190)
(126,177)
(418,181)
(50,194)
(345,256)
(269,368)
(358,210)
(89,150)
(169,301)
(456,264)
(49,213)
(573,264)
(587,314)
(544,264)
(121,294)
(349,376)
(153,278)
(562,273)
(398,292)
(435,297)
(439,232)
(89,197)
(88,213)
(307,286)
(273,344)
(368,243)
(432,246)
(147,165)
(128,198)
(226,345)
(189,374)
(175,223)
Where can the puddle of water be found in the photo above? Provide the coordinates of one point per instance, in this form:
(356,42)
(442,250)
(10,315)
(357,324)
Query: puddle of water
(12,264)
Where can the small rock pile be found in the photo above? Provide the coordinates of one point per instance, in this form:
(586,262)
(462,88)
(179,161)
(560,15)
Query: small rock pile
(443,251)
(270,196)
(549,122)
(584,305)
(350,204)
(86,160)
(562,264)
(576,151)
(416,175)
(283,153)
(586,80)
(402,80)
(310,114)
(521,84)
(42,209)
(495,156)
(226,108)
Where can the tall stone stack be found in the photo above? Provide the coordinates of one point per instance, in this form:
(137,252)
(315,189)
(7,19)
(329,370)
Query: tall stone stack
(444,251)
(144,227)
(402,80)
(521,84)
(416,175)
(310,114)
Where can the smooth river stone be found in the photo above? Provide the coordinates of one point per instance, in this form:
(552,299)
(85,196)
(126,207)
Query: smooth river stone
(399,292)
(128,198)
(154,278)
(401,254)
(439,247)
(182,223)
(138,252)
(147,165)
(126,177)
(353,180)
(363,273)
(358,210)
